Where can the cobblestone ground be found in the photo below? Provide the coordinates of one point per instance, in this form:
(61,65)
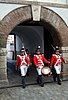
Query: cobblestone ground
(50,91)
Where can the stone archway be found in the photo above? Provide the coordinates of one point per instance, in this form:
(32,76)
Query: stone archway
(23,14)
(57,22)
(8,23)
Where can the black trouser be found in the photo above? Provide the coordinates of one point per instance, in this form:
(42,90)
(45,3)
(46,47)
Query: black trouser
(39,80)
(58,78)
(27,72)
(54,73)
(23,81)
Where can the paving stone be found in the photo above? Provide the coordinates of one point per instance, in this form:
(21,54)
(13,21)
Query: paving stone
(50,91)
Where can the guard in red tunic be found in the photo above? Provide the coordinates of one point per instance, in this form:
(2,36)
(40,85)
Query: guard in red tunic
(56,61)
(23,62)
(28,55)
(39,61)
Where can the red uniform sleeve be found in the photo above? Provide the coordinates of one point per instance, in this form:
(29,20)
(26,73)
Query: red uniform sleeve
(27,60)
(44,59)
(35,60)
(18,61)
(52,61)
(62,60)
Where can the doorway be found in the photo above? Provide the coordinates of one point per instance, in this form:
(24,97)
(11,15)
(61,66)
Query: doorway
(30,34)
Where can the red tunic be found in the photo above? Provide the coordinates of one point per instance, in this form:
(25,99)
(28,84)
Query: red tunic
(29,57)
(39,60)
(22,60)
(56,60)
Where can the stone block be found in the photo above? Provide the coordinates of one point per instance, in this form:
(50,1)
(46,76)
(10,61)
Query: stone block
(3,76)
(3,70)
(2,58)
(3,64)
(65,55)
(65,67)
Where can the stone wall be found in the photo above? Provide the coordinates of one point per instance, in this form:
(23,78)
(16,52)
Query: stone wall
(65,56)
(3,67)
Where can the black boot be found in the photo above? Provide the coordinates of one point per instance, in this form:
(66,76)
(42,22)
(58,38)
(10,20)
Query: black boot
(58,79)
(54,73)
(23,81)
(54,78)
(27,74)
(41,81)
(38,80)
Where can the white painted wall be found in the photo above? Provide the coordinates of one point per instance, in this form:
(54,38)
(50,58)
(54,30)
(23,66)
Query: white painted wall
(6,8)
(66,1)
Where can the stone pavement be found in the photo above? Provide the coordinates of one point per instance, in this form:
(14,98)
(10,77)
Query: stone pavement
(14,90)
(50,91)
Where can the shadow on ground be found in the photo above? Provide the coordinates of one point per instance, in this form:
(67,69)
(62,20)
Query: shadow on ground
(14,77)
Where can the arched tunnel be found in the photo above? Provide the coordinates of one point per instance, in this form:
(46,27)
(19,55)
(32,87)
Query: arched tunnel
(30,34)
